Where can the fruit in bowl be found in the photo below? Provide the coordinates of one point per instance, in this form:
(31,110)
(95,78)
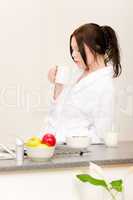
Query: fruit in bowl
(49,139)
(41,149)
(33,142)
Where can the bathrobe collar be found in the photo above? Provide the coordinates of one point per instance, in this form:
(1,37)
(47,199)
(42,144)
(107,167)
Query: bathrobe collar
(94,76)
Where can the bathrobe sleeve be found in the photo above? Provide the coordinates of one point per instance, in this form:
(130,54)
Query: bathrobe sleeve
(50,123)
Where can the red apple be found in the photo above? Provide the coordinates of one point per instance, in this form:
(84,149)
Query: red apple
(49,139)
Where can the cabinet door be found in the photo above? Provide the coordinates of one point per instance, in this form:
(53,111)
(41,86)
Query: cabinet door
(59,184)
(38,185)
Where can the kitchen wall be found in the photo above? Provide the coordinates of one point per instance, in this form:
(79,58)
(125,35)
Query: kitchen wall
(34,35)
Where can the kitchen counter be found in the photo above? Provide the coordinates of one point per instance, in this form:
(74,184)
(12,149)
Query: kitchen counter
(100,154)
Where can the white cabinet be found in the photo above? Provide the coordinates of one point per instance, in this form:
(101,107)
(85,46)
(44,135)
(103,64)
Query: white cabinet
(58,184)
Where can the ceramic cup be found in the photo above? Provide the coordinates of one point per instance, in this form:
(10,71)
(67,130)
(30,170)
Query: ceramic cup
(63,75)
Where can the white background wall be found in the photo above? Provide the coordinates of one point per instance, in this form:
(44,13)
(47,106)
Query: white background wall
(35,35)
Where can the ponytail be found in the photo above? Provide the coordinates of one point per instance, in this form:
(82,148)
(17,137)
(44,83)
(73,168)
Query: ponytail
(112,49)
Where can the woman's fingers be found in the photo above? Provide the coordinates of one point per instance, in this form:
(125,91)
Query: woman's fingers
(52,74)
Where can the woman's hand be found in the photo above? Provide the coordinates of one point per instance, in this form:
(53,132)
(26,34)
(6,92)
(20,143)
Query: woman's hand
(57,90)
(52,74)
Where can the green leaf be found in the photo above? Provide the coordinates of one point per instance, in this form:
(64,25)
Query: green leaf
(117,185)
(90,179)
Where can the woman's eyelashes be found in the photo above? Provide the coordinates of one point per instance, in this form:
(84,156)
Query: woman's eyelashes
(75,53)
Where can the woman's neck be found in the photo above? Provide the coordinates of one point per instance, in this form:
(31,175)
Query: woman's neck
(98,64)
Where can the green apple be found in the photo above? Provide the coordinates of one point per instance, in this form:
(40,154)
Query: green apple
(33,142)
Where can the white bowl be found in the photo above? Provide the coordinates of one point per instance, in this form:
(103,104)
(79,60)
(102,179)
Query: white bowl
(40,153)
(78,141)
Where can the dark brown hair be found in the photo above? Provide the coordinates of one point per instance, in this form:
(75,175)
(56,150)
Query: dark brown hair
(100,40)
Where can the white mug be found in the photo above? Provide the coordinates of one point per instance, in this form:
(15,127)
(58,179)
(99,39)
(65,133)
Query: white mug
(62,75)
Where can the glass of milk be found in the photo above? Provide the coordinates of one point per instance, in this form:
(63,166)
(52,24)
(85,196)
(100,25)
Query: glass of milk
(111,139)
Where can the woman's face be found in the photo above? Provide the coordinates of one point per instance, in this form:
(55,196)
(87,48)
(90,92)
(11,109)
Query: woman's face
(77,56)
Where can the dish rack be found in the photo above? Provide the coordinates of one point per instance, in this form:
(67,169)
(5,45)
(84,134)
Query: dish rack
(63,149)
(6,153)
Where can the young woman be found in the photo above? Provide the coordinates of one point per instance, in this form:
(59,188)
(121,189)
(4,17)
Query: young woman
(86,108)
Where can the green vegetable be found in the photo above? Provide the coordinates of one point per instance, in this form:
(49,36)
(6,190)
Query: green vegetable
(90,179)
(116,184)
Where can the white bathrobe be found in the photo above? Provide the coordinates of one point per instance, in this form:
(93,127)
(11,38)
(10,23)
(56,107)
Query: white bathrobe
(84,108)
